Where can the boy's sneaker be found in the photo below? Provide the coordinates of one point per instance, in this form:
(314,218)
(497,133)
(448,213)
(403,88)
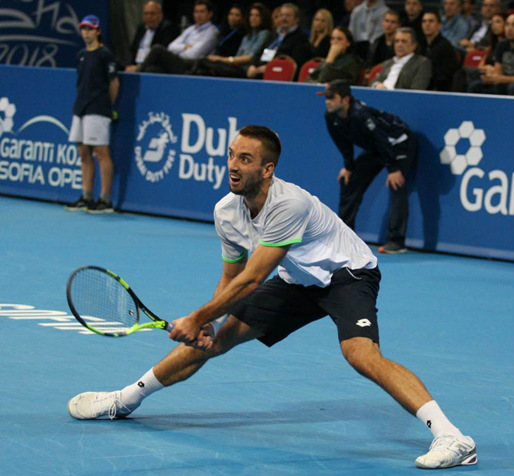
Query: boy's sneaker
(447,451)
(392,248)
(101,207)
(82,204)
(94,405)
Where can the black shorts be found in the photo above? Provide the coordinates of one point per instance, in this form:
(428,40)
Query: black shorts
(278,308)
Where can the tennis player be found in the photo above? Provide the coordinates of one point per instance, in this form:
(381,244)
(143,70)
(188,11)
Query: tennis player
(323,269)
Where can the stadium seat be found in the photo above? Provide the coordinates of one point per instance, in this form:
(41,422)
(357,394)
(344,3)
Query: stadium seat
(280,68)
(473,58)
(374,72)
(308,68)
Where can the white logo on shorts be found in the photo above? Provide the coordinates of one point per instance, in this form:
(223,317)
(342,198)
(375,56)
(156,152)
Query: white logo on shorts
(363,323)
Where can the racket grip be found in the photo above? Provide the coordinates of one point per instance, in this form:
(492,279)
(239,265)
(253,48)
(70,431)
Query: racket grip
(170,326)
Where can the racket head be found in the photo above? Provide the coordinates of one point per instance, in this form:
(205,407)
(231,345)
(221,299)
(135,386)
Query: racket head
(102,301)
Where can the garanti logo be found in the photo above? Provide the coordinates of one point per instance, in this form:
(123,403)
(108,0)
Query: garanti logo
(479,190)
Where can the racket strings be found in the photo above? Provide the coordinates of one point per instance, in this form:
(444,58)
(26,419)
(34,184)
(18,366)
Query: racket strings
(102,301)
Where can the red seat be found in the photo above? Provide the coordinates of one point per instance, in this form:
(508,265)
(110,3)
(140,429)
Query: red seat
(374,72)
(308,68)
(280,68)
(474,57)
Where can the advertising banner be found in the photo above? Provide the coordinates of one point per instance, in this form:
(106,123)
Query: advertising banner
(170,146)
(45,32)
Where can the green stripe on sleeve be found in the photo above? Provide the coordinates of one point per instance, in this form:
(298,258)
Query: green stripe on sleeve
(236,260)
(283,243)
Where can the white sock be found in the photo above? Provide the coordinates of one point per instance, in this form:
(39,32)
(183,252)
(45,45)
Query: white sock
(133,395)
(433,417)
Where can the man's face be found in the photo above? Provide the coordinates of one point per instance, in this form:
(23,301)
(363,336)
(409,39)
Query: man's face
(509,28)
(245,165)
(390,23)
(89,34)
(413,8)
(287,18)
(451,8)
(403,44)
(338,105)
(201,14)
(430,25)
(152,15)
(488,9)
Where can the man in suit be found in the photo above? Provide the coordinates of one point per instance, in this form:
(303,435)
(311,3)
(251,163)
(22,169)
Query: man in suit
(290,40)
(406,70)
(155,30)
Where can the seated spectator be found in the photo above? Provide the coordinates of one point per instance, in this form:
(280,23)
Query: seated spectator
(289,40)
(383,47)
(366,24)
(500,78)
(479,36)
(321,27)
(455,27)
(259,26)
(231,33)
(195,42)
(275,19)
(155,30)
(407,70)
(468,12)
(411,16)
(439,51)
(349,6)
(340,63)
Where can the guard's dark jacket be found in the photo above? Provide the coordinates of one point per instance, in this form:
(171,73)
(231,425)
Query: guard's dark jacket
(380,133)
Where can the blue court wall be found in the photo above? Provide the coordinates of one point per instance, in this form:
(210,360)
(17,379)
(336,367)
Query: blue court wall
(169,147)
(46,32)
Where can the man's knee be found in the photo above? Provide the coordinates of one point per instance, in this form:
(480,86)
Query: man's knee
(361,353)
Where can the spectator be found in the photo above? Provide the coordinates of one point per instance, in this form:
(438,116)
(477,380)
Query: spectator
(340,63)
(231,33)
(97,89)
(383,47)
(289,40)
(500,78)
(386,142)
(439,51)
(366,24)
(321,27)
(412,15)
(496,35)
(349,6)
(155,30)
(275,19)
(468,12)
(406,70)
(455,26)
(259,26)
(195,42)
(480,35)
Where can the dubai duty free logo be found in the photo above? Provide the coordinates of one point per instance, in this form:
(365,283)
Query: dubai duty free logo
(154,154)
(478,190)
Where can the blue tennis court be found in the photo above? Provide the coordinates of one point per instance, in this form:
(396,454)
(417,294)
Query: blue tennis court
(296,409)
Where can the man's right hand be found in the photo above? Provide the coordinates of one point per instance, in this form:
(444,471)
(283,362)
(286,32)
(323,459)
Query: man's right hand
(344,176)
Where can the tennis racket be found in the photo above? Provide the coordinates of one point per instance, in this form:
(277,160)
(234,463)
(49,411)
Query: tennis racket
(105,304)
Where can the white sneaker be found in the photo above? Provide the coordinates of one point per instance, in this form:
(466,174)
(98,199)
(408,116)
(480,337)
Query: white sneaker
(447,451)
(93,405)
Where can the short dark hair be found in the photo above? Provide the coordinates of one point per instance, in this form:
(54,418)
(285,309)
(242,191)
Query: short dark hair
(207,3)
(346,32)
(269,139)
(435,13)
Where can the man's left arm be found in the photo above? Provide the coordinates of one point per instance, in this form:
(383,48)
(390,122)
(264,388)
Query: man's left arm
(202,45)
(262,262)
(114,89)
(422,75)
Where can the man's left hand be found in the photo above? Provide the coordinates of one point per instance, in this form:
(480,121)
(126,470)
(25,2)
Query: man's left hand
(395,180)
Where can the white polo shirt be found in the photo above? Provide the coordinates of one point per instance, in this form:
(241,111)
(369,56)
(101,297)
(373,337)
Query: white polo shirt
(320,243)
